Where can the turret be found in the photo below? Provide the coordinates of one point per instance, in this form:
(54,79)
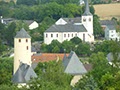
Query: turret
(22,49)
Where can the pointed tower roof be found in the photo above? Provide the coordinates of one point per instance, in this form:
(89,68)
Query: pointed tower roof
(23,74)
(73,66)
(22,34)
(87,11)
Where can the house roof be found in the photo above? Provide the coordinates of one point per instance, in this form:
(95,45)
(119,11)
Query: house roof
(107,22)
(67,28)
(29,21)
(45,57)
(73,65)
(111,27)
(87,11)
(23,74)
(73,20)
(22,34)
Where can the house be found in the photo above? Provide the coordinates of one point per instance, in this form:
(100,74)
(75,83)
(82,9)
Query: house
(31,23)
(110,30)
(68,28)
(73,66)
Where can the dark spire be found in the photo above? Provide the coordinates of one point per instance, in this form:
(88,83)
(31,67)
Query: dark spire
(87,11)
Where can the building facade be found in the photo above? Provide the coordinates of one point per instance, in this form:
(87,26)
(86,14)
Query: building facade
(68,28)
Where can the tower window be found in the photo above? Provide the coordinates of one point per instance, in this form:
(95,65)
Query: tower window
(89,19)
(26,40)
(46,35)
(27,47)
(84,19)
(19,40)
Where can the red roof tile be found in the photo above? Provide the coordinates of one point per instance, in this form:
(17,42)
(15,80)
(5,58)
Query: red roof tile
(45,57)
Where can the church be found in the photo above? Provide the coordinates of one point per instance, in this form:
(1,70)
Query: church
(68,28)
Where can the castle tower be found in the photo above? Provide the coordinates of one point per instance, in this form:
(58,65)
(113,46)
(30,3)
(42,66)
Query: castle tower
(87,18)
(22,49)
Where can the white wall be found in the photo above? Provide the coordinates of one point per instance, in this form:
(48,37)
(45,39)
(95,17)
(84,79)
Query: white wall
(33,25)
(87,21)
(22,54)
(62,36)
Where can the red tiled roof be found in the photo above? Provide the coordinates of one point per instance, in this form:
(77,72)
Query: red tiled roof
(45,57)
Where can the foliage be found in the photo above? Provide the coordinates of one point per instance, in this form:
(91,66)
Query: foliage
(83,49)
(107,47)
(51,77)
(6,65)
(26,2)
(76,40)
(98,32)
(103,76)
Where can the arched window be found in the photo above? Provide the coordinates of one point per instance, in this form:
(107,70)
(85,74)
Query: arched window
(19,40)
(89,19)
(64,35)
(68,35)
(84,20)
(26,40)
(56,35)
(72,35)
(46,35)
(27,47)
(51,35)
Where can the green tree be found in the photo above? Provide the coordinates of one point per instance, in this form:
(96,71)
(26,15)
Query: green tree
(26,2)
(98,32)
(76,40)
(10,33)
(68,46)
(53,77)
(83,49)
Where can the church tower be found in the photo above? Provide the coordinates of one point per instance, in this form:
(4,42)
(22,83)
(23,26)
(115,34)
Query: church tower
(87,18)
(22,49)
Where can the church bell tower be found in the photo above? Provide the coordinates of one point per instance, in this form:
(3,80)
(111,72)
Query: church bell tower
(22,49)
(87,18)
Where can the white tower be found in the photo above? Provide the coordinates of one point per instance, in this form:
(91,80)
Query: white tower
(22,49)
(87,18)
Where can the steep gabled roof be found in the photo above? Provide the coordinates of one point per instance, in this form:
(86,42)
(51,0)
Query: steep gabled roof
(107,22)
(73,66)
(23,74)
(22,34)
(67,28)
